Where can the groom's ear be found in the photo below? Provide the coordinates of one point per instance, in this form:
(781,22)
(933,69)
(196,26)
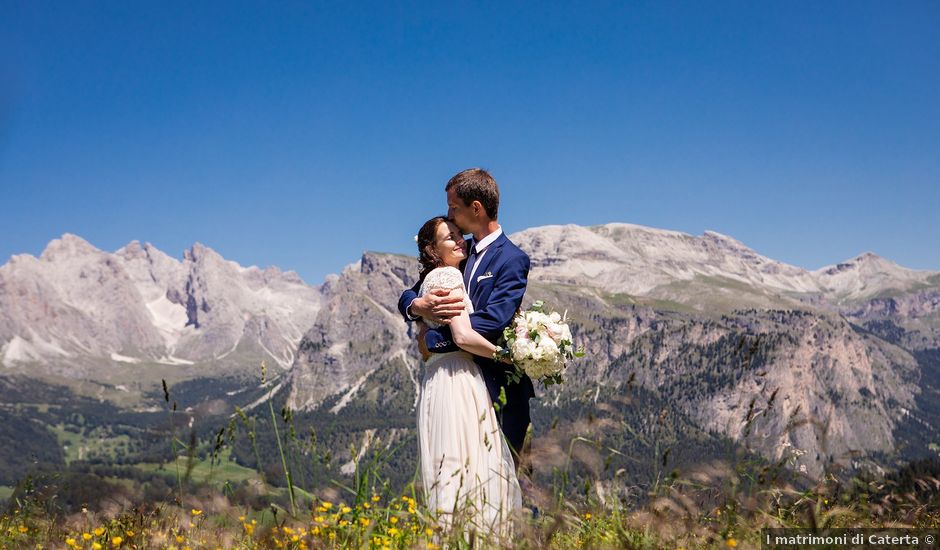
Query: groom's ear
(477,207)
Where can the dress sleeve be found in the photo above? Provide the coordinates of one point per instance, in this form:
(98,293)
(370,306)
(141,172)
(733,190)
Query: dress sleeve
(447,278)
(442,277)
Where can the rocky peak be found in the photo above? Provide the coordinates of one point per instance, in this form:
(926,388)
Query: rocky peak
(197,252)
(131,250)
(67,246)
(727,243)
(867,260)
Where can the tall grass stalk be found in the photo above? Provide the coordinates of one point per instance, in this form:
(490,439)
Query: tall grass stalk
(280,447)
(173,439)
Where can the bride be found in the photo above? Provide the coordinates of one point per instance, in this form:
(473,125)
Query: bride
(466,467)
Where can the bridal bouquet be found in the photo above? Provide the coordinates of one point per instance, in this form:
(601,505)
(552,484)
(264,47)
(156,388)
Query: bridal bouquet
(538,344)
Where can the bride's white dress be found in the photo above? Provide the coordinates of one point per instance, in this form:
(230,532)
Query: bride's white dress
(466,466)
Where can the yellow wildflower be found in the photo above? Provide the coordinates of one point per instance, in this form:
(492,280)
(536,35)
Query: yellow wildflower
(241,518)
(294,538)
(95,546)
(315,531)
(375,498)
(346,509)
(287,530)
(366,505)
(195,512)
(343,523)
(326,505)
(116,541)
(364,521)
(393,520)
(70,541)
(86,536)
(99,531)
(319,519)
(180,538)
(393,531)
(23,528)
(731,543)
(587,515)
(130,534)
(429,532)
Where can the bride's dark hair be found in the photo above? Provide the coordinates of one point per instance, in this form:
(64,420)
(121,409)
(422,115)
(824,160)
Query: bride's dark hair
(427,255)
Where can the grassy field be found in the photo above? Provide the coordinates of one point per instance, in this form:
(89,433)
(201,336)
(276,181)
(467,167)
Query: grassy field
(679,516)
(96,443)
(204,472)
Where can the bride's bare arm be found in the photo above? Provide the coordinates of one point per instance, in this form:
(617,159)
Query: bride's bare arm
(468,339)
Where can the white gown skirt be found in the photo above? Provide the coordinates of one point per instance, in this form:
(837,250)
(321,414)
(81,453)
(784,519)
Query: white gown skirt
(466,468)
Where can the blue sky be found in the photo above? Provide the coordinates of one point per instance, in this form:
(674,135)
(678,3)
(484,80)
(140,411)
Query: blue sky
(299,134)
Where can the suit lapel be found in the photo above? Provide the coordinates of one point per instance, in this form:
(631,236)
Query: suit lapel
(492,251)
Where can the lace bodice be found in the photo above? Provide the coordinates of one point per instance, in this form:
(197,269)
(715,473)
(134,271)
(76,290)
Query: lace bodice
(447,278)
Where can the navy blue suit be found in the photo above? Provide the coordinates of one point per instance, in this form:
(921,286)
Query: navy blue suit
(496,292)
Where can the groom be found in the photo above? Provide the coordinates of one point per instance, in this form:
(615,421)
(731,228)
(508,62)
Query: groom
(495,276)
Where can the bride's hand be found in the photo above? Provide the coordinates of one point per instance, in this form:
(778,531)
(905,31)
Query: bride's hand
(422,344)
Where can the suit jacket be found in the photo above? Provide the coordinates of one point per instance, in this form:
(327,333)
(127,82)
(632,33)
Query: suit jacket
(496,292)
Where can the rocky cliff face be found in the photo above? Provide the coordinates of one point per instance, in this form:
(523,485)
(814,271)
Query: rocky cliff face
(75,305)
(358,332)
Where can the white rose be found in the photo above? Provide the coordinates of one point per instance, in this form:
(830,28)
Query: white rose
(520,348)
(548,349)
(555,317)
(536,352)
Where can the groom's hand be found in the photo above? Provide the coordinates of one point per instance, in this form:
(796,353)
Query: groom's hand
(438,305)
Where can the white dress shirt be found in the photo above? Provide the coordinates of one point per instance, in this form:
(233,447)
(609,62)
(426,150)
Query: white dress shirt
(480,248)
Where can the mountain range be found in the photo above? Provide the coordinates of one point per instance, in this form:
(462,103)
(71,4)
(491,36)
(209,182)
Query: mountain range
(841,363)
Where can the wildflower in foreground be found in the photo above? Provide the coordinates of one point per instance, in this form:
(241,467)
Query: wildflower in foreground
(732,543)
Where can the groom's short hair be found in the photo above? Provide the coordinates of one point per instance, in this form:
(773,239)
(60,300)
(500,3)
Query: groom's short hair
(476,184)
